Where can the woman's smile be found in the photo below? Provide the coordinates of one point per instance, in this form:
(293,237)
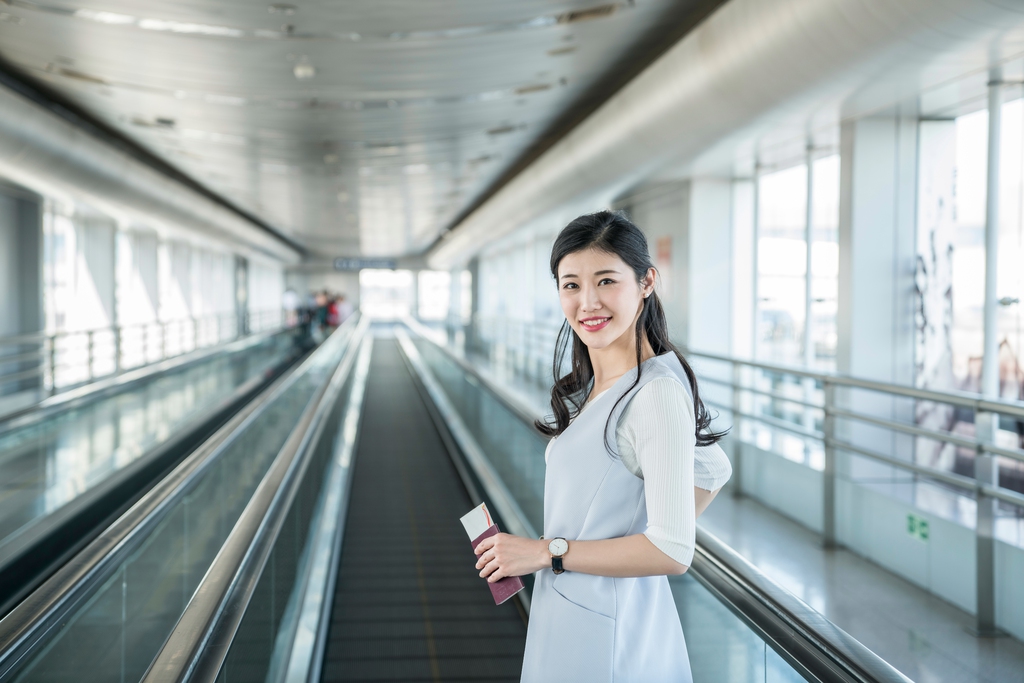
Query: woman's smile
(595,324)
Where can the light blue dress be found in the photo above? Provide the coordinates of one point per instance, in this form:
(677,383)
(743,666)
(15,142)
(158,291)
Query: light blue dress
(591,629)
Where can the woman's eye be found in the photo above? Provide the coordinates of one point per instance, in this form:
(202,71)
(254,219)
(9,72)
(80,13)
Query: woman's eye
(570,285)
(607,281)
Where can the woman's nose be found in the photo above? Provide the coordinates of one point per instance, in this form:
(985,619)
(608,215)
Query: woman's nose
(590,301)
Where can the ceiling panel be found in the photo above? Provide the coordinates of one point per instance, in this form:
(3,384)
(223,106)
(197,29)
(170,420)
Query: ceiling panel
(362,127)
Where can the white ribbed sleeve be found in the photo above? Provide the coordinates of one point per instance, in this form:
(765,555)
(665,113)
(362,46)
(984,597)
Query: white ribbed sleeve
(656,442)
(711,466)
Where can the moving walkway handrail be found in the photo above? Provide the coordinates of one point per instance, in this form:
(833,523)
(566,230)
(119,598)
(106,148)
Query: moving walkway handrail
(809,642)
(814,646)
(45,608)
(199,644)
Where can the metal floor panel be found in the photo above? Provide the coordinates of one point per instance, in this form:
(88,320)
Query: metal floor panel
(409,605)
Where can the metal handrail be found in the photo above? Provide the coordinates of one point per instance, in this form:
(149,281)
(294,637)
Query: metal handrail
(961,399)
(100,354)
(198,645)
(958,398)
(813,645)
(107,345)
(984,487)
(762,392)
(48,606)
(78,396)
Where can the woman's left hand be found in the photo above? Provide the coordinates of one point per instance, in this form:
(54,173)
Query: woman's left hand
(504,555)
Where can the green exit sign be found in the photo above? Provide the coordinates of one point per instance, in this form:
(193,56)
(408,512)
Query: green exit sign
(917,527)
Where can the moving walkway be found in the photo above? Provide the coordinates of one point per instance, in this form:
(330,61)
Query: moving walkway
(315,536)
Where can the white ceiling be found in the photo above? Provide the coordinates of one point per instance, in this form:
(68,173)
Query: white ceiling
(363,127)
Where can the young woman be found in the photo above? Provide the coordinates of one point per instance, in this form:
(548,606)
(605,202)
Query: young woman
(631,464)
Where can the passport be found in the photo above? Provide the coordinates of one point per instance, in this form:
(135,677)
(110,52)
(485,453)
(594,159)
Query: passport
(479,525)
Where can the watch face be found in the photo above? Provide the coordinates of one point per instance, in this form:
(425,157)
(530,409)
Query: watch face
(558,547)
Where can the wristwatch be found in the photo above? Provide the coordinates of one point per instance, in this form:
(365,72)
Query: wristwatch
(558,547)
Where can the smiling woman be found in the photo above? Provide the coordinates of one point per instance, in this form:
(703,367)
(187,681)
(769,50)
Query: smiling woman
(626,478)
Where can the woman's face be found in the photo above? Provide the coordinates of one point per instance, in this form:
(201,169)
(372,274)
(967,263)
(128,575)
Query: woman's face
(601,297)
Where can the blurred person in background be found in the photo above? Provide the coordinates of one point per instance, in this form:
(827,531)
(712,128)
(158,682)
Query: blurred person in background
(345,309)
(333,319)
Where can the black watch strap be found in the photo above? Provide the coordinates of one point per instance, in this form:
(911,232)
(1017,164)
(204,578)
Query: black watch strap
(556,565)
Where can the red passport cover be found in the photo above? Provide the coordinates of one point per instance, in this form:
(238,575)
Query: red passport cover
(505,588)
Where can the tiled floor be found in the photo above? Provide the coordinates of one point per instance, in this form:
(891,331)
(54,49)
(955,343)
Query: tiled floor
(921,635)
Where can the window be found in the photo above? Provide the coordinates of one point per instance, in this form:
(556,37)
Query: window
(434,294)
(782,265)
(385,294)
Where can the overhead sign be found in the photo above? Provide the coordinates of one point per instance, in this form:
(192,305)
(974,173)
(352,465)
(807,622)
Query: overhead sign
(360,263)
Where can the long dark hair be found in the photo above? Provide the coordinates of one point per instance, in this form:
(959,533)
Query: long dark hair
(612,233)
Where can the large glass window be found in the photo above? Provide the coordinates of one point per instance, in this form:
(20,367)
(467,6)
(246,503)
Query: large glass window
(825,262)
(434,294)
(782,265)
(796,324)
(953,172)
(951,253)
(386,294)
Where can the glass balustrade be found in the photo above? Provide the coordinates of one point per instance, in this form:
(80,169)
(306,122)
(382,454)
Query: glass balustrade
(120,628)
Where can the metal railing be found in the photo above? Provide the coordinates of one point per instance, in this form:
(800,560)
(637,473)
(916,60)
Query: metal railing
(50,363)
(828,395)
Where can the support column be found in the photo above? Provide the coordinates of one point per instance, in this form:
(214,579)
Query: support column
(456,335)
(756,301)
(809,241)
(472,344)
(808,384)
(709,271)
(986,466)
(21,295)
(241,296)
(744,305)
(875,319)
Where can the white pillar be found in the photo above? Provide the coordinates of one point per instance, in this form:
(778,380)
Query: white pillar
(709,271)
(808,384)
(689,233)
(990,364)
(875,318)
(756,300)
(876,248)
(986,466)
(809,240)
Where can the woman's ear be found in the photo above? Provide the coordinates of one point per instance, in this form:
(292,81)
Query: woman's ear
(648,282)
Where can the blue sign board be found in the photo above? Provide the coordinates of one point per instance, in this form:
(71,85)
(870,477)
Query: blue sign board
(360,263)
